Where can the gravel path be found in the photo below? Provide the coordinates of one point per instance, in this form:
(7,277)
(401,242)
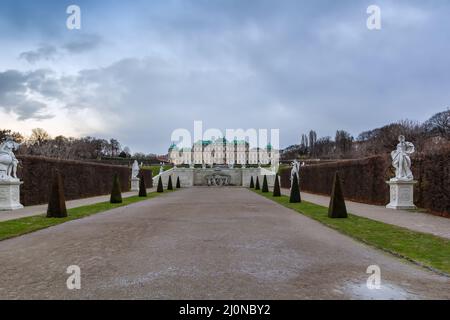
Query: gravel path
(204,243)
(417,221)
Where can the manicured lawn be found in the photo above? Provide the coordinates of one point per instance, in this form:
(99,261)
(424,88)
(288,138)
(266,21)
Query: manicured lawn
(155,169)
(14,228)
(425,249)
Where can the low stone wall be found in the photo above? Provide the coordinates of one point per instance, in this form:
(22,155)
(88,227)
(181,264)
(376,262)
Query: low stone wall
(197,176)
(81,179)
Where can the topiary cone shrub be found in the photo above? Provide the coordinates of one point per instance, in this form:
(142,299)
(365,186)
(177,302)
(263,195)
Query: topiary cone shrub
(56,201)
(295,191)
(160,188)
(252,184)
(337,208)
(169,184)
(257,184)
(265,187)
(142,187)
(116,193)
(178,186)
(276,187)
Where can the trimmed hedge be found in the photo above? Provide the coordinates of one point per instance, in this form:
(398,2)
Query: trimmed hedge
(81,179)
(364,180)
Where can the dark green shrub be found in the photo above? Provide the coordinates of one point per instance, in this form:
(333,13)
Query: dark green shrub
(169,184)
(295,191)
(57,202)
(276,187)
(257,184)
(265,186)
(337,208)
(178,186)
(116,193)
(160,186)
(252,184)
(142,187)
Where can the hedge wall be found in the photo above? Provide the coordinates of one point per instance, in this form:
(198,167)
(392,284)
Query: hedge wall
(363,180)
(81,179)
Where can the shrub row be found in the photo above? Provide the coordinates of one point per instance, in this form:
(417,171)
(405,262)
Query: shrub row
(81,179)
(364,180)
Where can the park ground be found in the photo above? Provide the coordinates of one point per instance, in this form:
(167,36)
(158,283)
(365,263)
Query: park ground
(205,243)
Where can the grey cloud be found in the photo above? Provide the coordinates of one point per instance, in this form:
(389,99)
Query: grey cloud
(83,43)
(44,52)
(15,87)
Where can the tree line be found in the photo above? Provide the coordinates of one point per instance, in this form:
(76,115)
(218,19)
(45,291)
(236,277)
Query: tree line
(40,143)
(428,136)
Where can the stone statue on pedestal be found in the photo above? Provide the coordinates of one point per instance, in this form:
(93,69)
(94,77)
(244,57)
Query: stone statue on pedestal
(134,176)
(295,171)
(9,183)
(8,161)
(402,185)
(135,169)
(401,160)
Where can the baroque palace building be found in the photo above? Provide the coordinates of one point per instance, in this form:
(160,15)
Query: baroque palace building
(221,151)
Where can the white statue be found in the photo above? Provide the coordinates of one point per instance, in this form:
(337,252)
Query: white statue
(161,168)
(401,160)
(295,171)
(135,170)
(8,161)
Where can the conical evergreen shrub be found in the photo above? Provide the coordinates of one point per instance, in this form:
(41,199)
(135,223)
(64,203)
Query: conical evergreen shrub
(276,187)
(295,191)
(160,186)
(116,193)
(142,187)
(252,184)
(169,184)
(56,200)
(265,187)
(178,186)
(337,208)
(257,184)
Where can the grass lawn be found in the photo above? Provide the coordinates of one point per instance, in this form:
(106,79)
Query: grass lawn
(155,169)
(14,228)
(425,249)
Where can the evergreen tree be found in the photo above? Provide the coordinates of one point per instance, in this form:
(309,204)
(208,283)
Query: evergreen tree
(169,184)
(337,208)
(160,186)
(295,191)
(276,187)
(116,193)
(265,186)
(56,201)
(257,184)
(252,184)
(142,187)
(178,183)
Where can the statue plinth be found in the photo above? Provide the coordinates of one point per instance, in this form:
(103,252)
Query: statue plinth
(10,194)
(134,184)
(401,194)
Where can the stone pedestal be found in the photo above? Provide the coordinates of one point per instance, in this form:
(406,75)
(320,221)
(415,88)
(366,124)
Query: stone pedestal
(402,195)
(10,195)
(134,184)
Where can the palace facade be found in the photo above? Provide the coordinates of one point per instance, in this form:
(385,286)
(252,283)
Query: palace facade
(221,151)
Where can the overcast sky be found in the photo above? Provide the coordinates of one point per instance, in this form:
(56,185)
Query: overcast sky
(137,70)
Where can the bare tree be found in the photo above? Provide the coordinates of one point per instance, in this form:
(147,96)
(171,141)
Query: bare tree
(439,124)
